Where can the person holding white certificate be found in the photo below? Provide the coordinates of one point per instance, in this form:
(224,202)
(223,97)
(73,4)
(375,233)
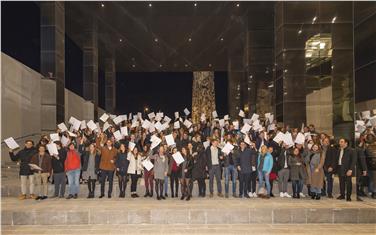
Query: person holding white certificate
(148,174)
(57,162)
(23,157)
(43,162)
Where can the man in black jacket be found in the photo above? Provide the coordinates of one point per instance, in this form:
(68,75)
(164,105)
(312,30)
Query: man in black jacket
(361,170)
(345,168)
(330,164)
(243,163)
(24,157)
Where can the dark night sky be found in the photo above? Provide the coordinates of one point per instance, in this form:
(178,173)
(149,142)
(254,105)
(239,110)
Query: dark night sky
(167,91)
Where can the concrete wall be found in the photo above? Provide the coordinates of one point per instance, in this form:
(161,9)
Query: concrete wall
(76,106)
(28,104)
(319,110)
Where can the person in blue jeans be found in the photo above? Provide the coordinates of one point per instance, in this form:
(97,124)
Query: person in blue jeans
(264,167)
(230,173)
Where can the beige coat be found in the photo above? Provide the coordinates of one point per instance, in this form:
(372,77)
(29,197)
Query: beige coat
(317,178)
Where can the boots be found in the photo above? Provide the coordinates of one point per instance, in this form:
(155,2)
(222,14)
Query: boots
(309,190)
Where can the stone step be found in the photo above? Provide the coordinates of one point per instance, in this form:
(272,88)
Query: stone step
(313,229)
(215,210)
(11,188)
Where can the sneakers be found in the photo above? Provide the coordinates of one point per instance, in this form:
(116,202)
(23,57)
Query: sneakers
(254,194)
(302,195)
(22,197)
(220,195)
(287,195)
(250,194)
(32,196)
(281,194)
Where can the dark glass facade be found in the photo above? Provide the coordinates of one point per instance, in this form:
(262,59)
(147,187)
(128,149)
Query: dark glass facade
(314,65)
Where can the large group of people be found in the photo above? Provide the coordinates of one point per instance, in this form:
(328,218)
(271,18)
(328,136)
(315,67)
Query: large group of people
(146,152)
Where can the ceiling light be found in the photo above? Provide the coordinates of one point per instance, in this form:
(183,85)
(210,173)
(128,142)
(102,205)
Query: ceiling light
(238,5)
(133,65)
(102,5)
(210,65)
(120,40)
(195,4)
(160,66)
(150,5)
(186,65)
(300,31)
(189,39)
(271,85)
(222,39)
(334,19)
(322,45)
(155,39)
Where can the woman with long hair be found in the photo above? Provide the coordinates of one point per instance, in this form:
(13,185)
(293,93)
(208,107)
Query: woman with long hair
(264,167)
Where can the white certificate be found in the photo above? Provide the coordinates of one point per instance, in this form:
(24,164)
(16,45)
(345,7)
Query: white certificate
(92,126)
(62,127)
(206,144)
(11,143)
(186,112)
(187,123)
(104,117)
(178,158)
(131,146)
(118,136)
(35,167)
(170,140)
(147,164)
(245,129)
(54,137)
(52,149)
(227,148)
(124,130)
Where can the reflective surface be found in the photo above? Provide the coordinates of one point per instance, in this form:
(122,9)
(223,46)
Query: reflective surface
(314,54)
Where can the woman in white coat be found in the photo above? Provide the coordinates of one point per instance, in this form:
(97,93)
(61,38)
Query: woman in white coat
(134,169)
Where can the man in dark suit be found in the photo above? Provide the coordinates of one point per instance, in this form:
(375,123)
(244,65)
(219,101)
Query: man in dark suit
(346,168)
(330,164)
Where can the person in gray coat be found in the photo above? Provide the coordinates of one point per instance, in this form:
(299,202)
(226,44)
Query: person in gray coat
(160,171)
(244,167)
(297,172)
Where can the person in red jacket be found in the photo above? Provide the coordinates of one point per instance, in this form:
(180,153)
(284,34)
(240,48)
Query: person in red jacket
(73,168)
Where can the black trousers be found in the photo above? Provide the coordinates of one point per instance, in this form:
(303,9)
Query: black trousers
(159,187)
(104,176)
(201,186)
(345,182)
(252,182)
(244,183)
(122,183)
(174,180)
(91,186)
(134,179)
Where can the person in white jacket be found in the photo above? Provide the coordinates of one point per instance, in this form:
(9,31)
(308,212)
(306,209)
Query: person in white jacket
(134,169)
